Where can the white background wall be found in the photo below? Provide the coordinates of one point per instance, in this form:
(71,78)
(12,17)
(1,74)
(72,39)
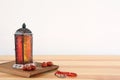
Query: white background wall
(63,26)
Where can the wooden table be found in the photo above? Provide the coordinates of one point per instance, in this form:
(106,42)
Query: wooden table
(87,67)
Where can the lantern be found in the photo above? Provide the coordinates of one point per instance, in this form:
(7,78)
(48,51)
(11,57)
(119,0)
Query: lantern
(23,45)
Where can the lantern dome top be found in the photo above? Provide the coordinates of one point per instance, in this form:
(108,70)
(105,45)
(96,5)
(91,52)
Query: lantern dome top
(23,30)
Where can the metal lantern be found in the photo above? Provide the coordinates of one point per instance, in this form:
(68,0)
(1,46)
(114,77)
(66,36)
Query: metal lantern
(23,45)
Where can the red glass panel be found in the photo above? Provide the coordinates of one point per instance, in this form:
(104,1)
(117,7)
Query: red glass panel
(19,50)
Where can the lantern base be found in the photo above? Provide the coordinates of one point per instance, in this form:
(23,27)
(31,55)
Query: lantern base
(20,66)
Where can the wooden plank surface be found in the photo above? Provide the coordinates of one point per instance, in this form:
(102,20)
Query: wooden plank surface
(87,67)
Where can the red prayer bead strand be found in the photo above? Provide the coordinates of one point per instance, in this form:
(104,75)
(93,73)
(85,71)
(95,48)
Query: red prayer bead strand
(66,74)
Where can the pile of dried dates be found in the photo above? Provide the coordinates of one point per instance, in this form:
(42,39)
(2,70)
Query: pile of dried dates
(31,67)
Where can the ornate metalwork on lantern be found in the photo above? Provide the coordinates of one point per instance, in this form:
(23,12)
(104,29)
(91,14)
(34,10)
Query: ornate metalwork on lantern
(23,46)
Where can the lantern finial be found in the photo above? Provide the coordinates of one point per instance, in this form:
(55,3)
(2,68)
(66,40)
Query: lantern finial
(24,25)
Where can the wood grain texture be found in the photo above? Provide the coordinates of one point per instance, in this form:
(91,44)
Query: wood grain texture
(87,67)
